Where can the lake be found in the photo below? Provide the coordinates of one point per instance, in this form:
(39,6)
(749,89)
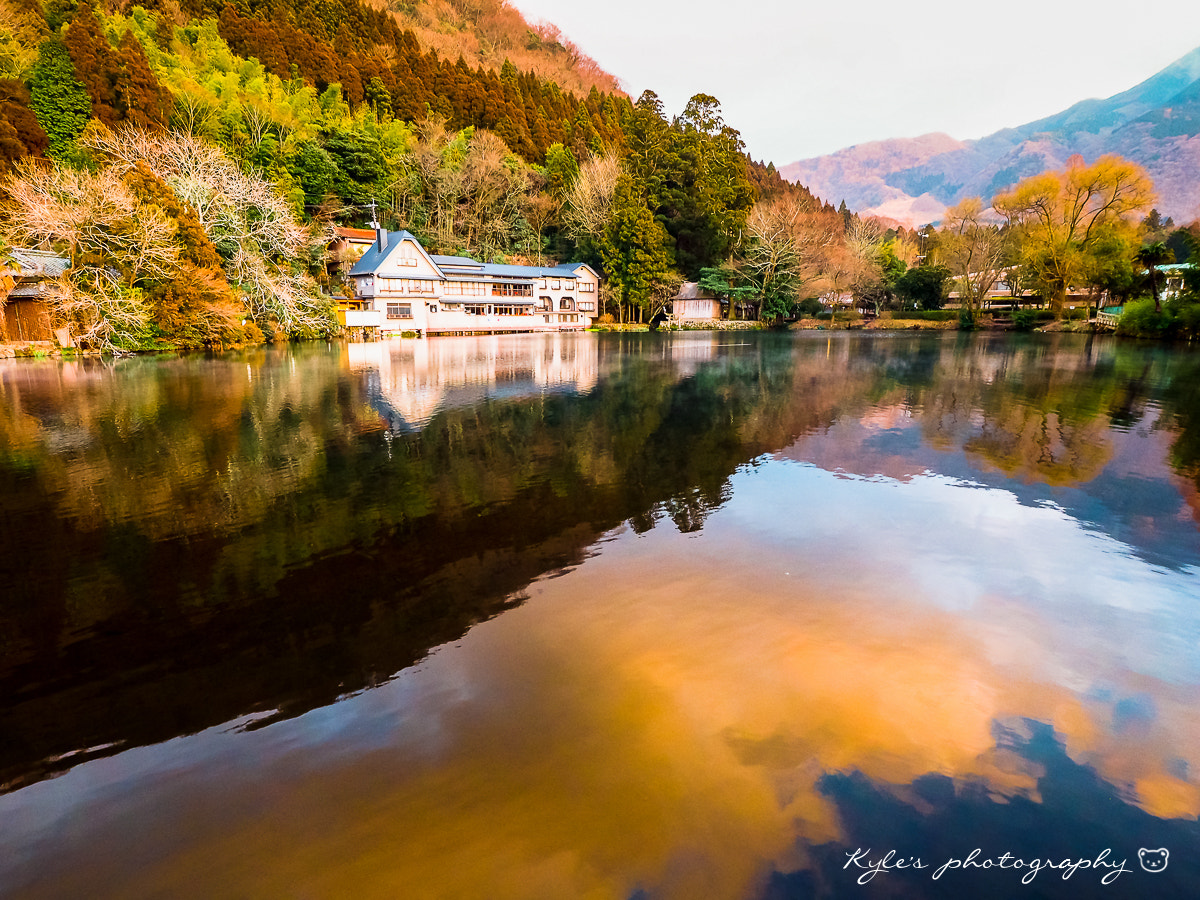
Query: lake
(703,615)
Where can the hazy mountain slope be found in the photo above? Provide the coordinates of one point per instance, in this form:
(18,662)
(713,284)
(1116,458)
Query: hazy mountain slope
(1155,123)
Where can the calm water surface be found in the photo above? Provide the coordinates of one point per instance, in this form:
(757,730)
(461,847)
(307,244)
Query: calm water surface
(700,616)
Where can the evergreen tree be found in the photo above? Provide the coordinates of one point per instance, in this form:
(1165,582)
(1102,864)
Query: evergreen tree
(141,100)
(635,249)
(95,63)
(20,133)
(58,99)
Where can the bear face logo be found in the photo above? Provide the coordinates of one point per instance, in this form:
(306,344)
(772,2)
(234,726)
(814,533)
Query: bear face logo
(1153,860)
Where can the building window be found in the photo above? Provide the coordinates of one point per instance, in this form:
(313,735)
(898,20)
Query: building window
(475,309)
(512,290)
(545,303)
(399,310)
(587,287)
(555,285)
(542,283)
(587,306)
(564,303)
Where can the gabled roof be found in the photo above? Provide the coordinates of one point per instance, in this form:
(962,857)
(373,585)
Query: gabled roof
(373,257)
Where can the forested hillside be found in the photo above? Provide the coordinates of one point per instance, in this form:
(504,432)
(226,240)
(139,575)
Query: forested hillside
(191,159)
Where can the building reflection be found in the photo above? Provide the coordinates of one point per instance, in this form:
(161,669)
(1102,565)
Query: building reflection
(410,381)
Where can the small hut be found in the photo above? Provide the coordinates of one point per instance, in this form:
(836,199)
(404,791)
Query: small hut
(35,275)
(692,304)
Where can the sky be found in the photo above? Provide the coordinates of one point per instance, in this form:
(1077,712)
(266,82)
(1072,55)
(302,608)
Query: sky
(802,79)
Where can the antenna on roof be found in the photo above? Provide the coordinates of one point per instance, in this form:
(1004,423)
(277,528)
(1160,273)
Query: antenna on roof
(374,217)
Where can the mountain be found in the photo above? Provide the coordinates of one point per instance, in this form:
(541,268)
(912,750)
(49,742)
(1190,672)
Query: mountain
(912,180)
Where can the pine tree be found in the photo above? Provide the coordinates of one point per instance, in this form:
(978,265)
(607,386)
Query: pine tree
(20,133)
(95,63)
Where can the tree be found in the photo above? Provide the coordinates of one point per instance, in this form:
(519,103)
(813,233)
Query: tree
(588,203)
(1152,256)
(20,133)
(975,251)
(634,248)
(1060,215)
(115,244)
(787,243)
(264,250)
(924,286)
(58,100)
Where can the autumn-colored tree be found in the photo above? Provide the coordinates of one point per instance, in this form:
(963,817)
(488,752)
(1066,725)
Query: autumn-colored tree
(20,133)
(975,251)
(1059,216)
(264,249)
(587,205)
(95,63)
(141,101)
(786,249)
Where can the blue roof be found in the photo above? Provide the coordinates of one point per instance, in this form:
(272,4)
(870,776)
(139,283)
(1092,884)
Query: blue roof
(373,258)
(454,260)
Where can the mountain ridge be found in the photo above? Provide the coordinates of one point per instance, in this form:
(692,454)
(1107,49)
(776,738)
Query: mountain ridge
(1155,123)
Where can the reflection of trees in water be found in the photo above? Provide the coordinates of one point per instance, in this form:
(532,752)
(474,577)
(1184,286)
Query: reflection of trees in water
(249,526)
(349,552)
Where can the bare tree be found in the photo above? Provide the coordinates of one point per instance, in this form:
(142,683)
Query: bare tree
(251,226)
(588,204)
(88,216)
(975,251)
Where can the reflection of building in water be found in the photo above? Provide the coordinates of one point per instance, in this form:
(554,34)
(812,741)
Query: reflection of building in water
(411,381)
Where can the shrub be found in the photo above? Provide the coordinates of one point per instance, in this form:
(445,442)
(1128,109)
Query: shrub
(1024,319)
(810,307)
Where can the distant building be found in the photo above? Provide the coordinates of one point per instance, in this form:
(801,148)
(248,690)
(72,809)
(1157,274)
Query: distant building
(1173,278)
(401,288)
(692,304)
(34,275)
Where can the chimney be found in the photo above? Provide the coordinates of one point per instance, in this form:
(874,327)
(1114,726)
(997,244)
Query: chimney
(381,234)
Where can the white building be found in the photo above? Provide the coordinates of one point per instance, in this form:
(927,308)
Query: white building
(401,288)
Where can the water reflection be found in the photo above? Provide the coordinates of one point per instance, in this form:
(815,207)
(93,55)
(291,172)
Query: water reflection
(926,582)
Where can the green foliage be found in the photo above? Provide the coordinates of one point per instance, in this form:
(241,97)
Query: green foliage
(58,99)
(1024,319)
(692,175)
(315,170)
(809,307)
(925,287)
(1151,256)
(561,170)
(635,248)
(1141,319)
(1178,319)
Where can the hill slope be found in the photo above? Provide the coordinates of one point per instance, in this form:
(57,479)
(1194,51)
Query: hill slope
(1156,124)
